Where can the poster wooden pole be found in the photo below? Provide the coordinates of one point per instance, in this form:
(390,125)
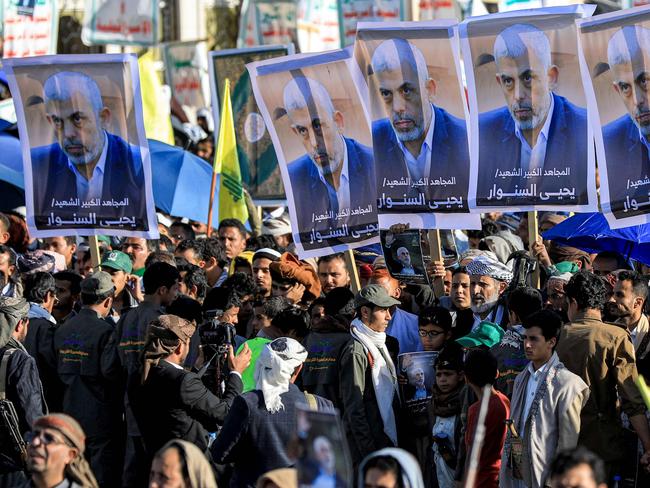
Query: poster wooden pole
(533,234)
(435,251)
(351,265)
(95,258)
(211,204)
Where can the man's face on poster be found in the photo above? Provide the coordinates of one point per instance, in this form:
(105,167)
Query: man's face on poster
(320,134)
(418,376)
(404,257)
(78,127)
(324,454)
(632,83)
(526,82)
(406,100)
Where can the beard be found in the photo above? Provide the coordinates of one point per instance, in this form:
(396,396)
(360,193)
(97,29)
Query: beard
(644,127)
(536,119)
(412,134)
(487,304)
(329,165)
(88,155)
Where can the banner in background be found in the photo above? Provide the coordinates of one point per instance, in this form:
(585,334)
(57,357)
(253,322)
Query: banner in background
(120,22)
(156,109)
(320,132)
(31,30)
(530,141)
(267,22)
(85,110)
(615,52)
(257,159)
(418,111)
(186,65)
(332,24)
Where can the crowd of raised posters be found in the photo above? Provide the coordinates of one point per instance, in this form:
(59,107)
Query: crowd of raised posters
(79,115)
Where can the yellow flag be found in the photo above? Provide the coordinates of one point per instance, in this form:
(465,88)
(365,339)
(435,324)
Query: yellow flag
(231,194)
(643,389)
(155,106)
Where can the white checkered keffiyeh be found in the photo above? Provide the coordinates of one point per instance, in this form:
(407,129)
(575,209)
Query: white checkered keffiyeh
(485,266)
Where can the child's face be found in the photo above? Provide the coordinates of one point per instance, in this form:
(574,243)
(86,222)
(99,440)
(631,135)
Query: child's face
(432,337)
(447,379)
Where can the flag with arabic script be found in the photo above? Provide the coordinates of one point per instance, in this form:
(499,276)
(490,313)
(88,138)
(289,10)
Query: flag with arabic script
(226,163)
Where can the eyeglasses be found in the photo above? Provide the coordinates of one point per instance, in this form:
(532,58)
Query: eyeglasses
(46,438)
(430,333)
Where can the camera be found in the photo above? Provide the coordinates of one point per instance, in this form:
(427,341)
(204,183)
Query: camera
(216,337)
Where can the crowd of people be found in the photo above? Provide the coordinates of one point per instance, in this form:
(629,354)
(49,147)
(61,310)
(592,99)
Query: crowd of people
(184,362)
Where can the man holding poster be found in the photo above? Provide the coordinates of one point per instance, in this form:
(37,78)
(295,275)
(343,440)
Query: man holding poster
(626,138)
(321,178)
(87,169)
(420,149)
(534,149)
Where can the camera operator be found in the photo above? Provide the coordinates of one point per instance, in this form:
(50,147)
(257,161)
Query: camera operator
(173,403)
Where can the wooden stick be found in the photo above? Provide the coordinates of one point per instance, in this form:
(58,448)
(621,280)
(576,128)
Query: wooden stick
(351,265)
(435,250)
(95,258)
(211,204)
(533,234)
(479,436)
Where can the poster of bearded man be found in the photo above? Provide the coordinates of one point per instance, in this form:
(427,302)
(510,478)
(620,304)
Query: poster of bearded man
(615,62)
(319,128)
(530,146)
(411,77)
(85,153)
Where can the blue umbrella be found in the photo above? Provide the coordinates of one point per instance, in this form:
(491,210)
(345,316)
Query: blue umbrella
(11,160)
(181,182)
(591,233)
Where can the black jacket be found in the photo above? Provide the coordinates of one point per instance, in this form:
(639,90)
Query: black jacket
(88,365)
(40,345)
(175,404)
(254,439)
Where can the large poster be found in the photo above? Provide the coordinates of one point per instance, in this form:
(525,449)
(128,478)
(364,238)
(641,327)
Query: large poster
(615,49)
(85,154)
(319,128)
(418,113)
(120,22)
(186,65)
(257,159)
(30,29)
(531,144)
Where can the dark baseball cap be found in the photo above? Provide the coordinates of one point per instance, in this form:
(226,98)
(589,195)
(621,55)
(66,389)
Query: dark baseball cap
(374,295)
(98,283)
(117,260)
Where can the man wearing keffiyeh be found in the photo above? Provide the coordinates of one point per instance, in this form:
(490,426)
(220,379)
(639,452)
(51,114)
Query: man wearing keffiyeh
(489,278)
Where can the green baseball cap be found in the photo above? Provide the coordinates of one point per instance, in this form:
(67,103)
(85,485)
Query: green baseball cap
(97,283)
(486,334)
(374,295)
(117,260)
(567,267)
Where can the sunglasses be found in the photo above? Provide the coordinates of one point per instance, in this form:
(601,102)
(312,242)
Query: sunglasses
(46,438)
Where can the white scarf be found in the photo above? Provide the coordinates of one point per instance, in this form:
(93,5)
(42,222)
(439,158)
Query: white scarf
(274,368)
(384,378)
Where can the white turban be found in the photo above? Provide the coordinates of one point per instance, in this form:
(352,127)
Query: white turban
(487,266)
(274,369)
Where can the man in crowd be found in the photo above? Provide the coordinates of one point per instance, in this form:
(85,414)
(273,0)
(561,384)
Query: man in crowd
(11,286)
(262,260)
(403,325)
(630,294)
(172,403)
(138,250)
(332,272)
(368,377)
(545,407)
(556,299)
(232,235)
(4,229)
(66,246)
(68,292)
(509,352)
(119,266)
(578,467)
(603,356)
(89,367)
(55,454)
(261,423)
(489,278)
(180,231)
(40,291)
(459,302)
(191,250)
